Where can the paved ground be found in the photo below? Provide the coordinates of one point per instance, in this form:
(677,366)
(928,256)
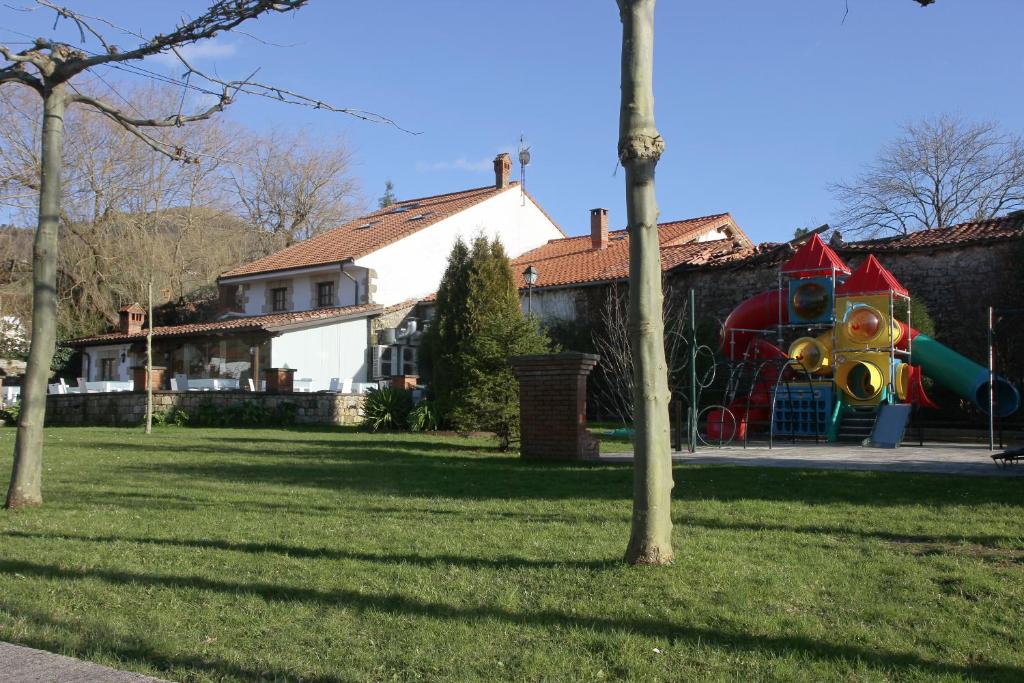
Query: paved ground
(25,665)
(931,458)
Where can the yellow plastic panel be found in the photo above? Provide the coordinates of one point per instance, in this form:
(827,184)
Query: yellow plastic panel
(814,354)
(862,322)
(863,377)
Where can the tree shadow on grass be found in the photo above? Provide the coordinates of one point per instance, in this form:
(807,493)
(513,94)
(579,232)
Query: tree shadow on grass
(712,523)
(405,473)
(324,553)
(426,468)
(401,605)
(131,500)
(132,649)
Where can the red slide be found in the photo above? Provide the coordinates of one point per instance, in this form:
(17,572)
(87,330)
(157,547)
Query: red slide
(759,312)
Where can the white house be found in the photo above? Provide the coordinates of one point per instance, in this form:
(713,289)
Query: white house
(336,306)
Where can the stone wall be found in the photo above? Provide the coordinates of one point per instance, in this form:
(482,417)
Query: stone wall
(128,409)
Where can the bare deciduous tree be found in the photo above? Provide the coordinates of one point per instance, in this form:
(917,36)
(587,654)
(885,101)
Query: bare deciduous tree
(614,387)
(937,173)
(49,68)
(291,189)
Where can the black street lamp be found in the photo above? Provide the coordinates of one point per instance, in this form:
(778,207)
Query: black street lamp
(530,275)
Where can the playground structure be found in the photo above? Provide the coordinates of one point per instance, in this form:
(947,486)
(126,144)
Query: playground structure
(832,354)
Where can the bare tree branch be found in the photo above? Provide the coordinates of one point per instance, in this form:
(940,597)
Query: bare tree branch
(222,16)
(938,173)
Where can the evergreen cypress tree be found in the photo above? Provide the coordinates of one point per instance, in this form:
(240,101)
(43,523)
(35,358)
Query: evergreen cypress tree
(388,198)
(440,351)
(487,397)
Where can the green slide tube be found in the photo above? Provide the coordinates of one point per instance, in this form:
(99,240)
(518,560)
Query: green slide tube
(962,376)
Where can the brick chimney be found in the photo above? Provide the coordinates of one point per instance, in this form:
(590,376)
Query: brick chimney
(599,228)
(502,170)
(130,319)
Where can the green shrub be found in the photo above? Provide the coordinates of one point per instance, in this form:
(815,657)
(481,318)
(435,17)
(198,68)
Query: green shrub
(9,414)
(425,417)
(284,414)
(248,413)
(387,408)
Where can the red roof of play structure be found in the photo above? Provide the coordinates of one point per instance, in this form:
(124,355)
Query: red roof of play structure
(871,277)
(814,258)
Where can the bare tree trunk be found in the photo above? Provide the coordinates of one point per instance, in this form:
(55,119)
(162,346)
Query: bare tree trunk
(149,361)
(640,146)
(26,479)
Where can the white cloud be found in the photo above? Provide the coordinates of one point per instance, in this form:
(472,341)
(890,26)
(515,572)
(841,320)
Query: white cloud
(460,164)
(197,52)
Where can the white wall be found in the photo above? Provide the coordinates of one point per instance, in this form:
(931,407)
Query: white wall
(552,305)
(412,268)
(302,295)
(712,235)
(92,364)
(323,352)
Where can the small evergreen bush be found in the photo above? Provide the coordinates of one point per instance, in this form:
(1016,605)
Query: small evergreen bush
(387,408)
(424,417)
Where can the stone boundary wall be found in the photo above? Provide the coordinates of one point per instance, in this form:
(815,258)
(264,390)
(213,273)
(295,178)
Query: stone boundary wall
(128,409)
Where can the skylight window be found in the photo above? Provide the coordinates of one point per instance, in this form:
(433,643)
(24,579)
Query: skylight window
(402,208)
(421,216)
(366,226)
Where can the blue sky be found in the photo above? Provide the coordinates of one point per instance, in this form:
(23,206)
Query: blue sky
(761,104)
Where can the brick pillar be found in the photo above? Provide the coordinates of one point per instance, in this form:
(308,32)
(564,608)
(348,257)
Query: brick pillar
(553,405)
(139,377)
(279,380)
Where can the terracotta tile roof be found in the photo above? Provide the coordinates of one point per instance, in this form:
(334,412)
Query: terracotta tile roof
(369,233)
(975,232)
(268,323)
(573,260)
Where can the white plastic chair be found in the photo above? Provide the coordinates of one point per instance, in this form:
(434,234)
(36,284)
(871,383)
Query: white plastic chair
(335,385)
(304,385)
(181,379)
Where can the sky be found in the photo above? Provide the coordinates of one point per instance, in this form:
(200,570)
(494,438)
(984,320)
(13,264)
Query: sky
(761,104)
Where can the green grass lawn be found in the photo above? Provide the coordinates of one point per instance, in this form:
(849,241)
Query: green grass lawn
(227,554)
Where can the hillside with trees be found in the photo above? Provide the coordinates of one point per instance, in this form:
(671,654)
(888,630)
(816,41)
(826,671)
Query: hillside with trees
(130,215)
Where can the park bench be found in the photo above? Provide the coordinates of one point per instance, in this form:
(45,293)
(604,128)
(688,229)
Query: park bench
(1008,457)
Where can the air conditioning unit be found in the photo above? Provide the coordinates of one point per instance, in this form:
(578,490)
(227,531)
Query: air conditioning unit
(379,356)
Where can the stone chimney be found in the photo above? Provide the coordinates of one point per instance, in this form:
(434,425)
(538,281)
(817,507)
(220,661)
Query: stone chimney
(130,319)
(599,228)
(502,170)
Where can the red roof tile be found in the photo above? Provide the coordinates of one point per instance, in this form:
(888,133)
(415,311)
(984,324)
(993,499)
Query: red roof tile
(994,230)
(268,323)
(573,260)
(871,277)
(369,233)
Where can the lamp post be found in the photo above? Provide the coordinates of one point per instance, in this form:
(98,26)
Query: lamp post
(530,275)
